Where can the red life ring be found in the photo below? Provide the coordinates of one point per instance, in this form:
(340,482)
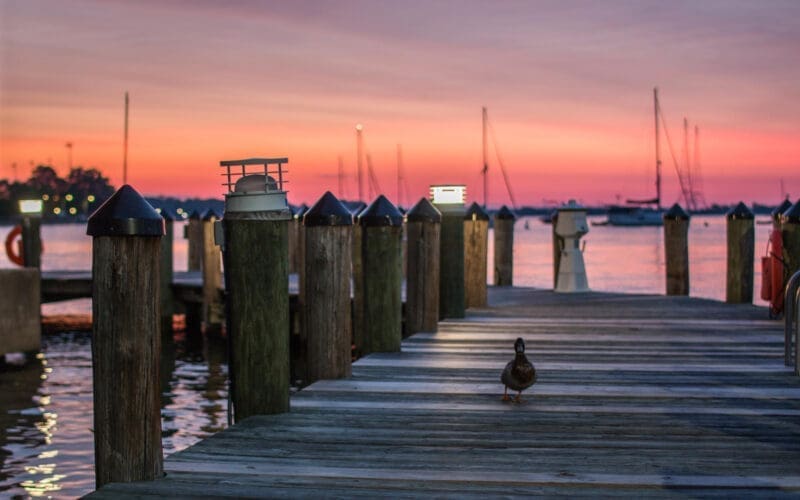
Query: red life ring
(14,257)
(14,251)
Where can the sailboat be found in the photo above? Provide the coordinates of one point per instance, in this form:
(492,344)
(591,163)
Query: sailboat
(641,212)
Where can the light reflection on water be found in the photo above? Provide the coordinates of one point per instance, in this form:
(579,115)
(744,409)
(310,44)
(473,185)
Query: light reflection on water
(46,442)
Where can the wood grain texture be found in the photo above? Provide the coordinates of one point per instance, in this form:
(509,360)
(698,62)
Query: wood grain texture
(358,289)
(451,264)
(422,286)
(740,253)
(503,252)
(327,315)
(213,306)
(676,254)
(638,396)
(194,236)
(126,345)
(476,249)
(790,231)
(382,281)
(256,273)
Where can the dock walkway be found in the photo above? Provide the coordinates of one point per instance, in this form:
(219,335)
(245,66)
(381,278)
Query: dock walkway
(639,396)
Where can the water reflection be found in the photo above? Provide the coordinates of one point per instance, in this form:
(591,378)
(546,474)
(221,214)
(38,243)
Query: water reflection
(46,442)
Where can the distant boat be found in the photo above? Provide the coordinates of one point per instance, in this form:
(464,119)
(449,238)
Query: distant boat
(641,212)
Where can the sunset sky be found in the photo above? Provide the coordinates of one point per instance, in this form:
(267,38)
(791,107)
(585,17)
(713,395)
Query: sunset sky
(568,86)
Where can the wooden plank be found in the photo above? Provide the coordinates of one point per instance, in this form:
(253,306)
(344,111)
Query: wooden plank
(631,405)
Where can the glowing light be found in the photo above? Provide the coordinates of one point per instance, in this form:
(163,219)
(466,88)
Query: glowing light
(73,210)
(57,211)
(68,197)
(359,127)
(30,206)
(45,197)
(449,194)
(90,198)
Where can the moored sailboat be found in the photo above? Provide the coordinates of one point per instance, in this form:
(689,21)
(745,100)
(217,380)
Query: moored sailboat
(642,212)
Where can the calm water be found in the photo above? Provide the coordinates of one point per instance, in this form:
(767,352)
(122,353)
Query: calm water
(46,444)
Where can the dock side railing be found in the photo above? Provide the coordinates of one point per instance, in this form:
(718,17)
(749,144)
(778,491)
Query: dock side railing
(792,323)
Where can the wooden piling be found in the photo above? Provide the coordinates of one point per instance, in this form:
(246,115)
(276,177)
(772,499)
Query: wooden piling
(126,343)
(790,230)
(741,248)
(358,282)
(193,232)
(504,247)
(327,319)
(476,249)
(213,307)
(32,240)
(777,214)
(676,250)
(256,278)
(423,228)
(167,306)
(381,226)
(451,261)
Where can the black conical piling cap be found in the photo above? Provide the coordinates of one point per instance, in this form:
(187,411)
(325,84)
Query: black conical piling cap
(381,212)
(778,212)
(505,213)
(424,211)
(126,213)
(792,214)
(475,211)
(195,215)
(739,212)
(300,211)
(676,213)
(328,211)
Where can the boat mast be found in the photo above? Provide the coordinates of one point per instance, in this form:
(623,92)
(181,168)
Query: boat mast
(485,170)
(125,145)
(658,151)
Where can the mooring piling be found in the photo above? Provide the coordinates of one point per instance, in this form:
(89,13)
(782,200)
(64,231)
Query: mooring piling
(327,317)
(449,200)
(213,307)
(381,312)
(790,230)
(358,280)
(126,343)
(193,233)
(476,249)
(504,247)
(676,250)
(255,233)
(423,228)
(741,248)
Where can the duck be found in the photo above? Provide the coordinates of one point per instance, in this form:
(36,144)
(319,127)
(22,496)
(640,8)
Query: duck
(519,373)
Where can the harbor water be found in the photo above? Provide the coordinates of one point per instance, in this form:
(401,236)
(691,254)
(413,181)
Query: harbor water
(46,441)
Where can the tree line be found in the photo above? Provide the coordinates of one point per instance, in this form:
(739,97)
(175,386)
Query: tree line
(74,197)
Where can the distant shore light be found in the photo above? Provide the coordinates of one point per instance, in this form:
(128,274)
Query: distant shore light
(359,127)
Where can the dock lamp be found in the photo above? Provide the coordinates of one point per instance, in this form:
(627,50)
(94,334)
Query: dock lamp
(253,234)
(449,199)
(31,210)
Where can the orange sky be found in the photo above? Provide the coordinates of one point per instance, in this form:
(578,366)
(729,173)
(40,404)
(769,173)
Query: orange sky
(568,86)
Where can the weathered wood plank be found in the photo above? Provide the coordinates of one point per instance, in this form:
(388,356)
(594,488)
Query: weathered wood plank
(643,402)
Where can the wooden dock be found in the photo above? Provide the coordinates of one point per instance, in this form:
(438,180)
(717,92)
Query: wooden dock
(637,396)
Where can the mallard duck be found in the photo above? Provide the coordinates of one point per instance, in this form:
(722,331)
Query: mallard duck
(519,373)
